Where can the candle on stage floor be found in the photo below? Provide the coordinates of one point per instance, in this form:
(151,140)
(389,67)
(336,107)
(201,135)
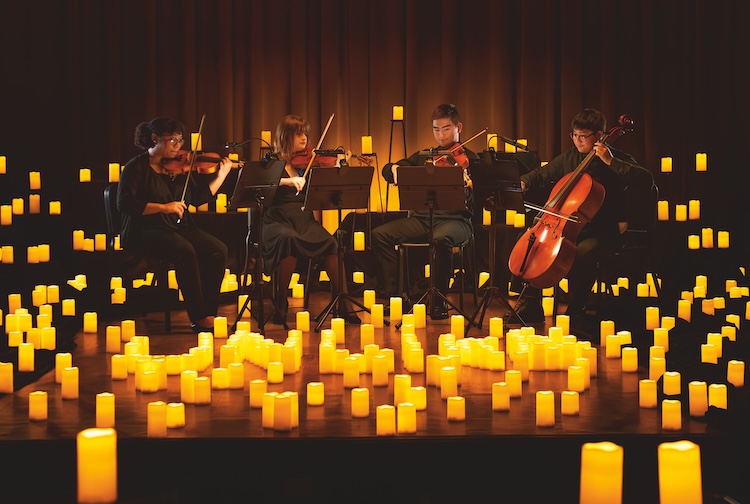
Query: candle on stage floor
(500,396)
(419,311)
(448,382)
(694,209)
(722,238)
(629,359)
(380,369)
(698,398)
(671,414)
(360,402)
(6,377)
(105,410)
(601,473)
(338,328)
(672,383)
(38,406)
(385,420)
(456,409)
(576,380)
(351,372)
(717,395)
(112,341)
(515,382)
(736,372)
(545,408)
(457,326)
(647,396)
(258,388)
(368,298)
(282,412)
(303,321)
(157,419)
(96,451)
(708,354)
(84,175)
(26,357)
(175,415)
(202,385)
(275,372)
(376,315)
(69,383)
(407,418)
(89,322)
(396,308)
(569,402)
(680,479)
(657,367)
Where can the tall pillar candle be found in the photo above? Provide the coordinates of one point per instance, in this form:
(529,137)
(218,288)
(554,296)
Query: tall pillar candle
(96,451)
(545,408)
(38,406)
(385,420)
(647,394)
(698,398)
(360,402)
(671,415)
(601,473)
(736,372)
(680,479)
(105,410)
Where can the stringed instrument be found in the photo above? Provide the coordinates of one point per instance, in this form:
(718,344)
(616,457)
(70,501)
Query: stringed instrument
(545,252)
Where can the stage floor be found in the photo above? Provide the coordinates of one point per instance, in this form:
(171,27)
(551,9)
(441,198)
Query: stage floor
(223,453)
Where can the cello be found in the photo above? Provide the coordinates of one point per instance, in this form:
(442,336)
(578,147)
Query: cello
(545,252)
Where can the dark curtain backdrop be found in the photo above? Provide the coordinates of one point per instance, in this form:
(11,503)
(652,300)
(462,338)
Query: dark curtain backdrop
(79,75)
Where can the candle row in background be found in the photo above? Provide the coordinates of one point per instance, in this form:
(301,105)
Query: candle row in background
(701,163)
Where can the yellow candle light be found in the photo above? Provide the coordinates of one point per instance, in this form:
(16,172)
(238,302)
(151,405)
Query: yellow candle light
(736,372)
(672,383)
(202,386)
(694,209)
(105,410)
(457,326)
(43,250)
(6,377)
(456,409)
(6,215)
(694,242)
(576,379)
(683,309)
(114,172)
(680,213)
(717,395)
(55,208)
(629,359)
(519,220)
(708,354)
(315,394)
(657,367)
(89,322)
(366,144)
(156,419)
(385,420)
(510,217)
(398,113)
(652,317)
(35,205)
(175,415)
(84,175)
(376,315)
(662,210)
(32,255)
(38,406)
(196,141)
(701,161)
(680,480)
(707,238)
(265,135)
(448,382)
(359,240)
(396,308)
(601,473)
(722,237)
(96,451)
(407,418)
(569,402)
(303,321)
(69,383)
(26,357)
(666,164)
(545,408)
(420,315)
(500,396)
(671,414)
(360,402)
(698,398)
(647,393)
(17,205)
(3,165)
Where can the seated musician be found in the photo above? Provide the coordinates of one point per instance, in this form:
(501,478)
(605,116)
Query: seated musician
(451,228)
(599,237)
(289,232)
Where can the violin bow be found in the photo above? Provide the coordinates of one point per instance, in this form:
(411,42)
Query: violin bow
(193,150)
(320,142)
(444,156)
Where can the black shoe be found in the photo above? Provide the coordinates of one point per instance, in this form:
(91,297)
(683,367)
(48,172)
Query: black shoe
(197,328)
(351,318)
(439,310)
(529,310)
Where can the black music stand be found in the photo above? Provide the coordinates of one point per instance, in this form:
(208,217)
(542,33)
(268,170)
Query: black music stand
(338,188)
(419,186)
(256,184)
(497,187)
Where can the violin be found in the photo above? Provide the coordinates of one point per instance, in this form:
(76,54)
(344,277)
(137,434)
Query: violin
(205,162)
(545,252)
(455,157)
(301,159)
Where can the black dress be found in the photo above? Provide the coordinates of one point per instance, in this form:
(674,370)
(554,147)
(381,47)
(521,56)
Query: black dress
(290,231)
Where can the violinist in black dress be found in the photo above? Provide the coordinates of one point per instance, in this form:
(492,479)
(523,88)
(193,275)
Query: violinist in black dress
(451,228)
(155,221)
(291,233)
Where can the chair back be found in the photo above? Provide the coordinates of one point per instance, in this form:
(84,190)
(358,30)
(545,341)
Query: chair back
(114,220)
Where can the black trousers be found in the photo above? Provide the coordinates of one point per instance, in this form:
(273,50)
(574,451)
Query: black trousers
(199,259)
(448,232)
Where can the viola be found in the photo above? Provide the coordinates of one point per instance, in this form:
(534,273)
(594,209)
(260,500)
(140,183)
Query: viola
(545,252)
(205,162)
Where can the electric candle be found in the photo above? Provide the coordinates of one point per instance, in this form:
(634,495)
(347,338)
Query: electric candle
(657,367)
(360,402)
(701,161)
(34,204)
(196,141)
(351,372)
(220,378)
(448,382)
(698,398)
(672,383)
(157,419)
(671,414)
(6,215)
(723,239)
(515,382)
(647,397)
(62,360)
(282,412)
(694,242)
(175,415)
(736,373)
(661,338)
(717,395)
(69,383)
(601,473)
(298,291)
(17,205)
(680,480)
(275,372)
(707,237)
(376,315)
(456,409)
(510,217)
(629,359)
(613,346)
(96,451)
(55,208)
(26,357)
(708,354)
(519,221)
(38,406)
(684,309)
(662,210)
(6,377)
(3,164)
(666,164)
(716,339)
(398,113)
(89,322)
(694,209)
(105,410)
(265,135)
(44,252)
(366,144)
(500,396)
(680,213)
(303,321)
(202,385)
(407,418)
(396,308)
(380,367)
(545,408)
(84,175)
(385,420)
